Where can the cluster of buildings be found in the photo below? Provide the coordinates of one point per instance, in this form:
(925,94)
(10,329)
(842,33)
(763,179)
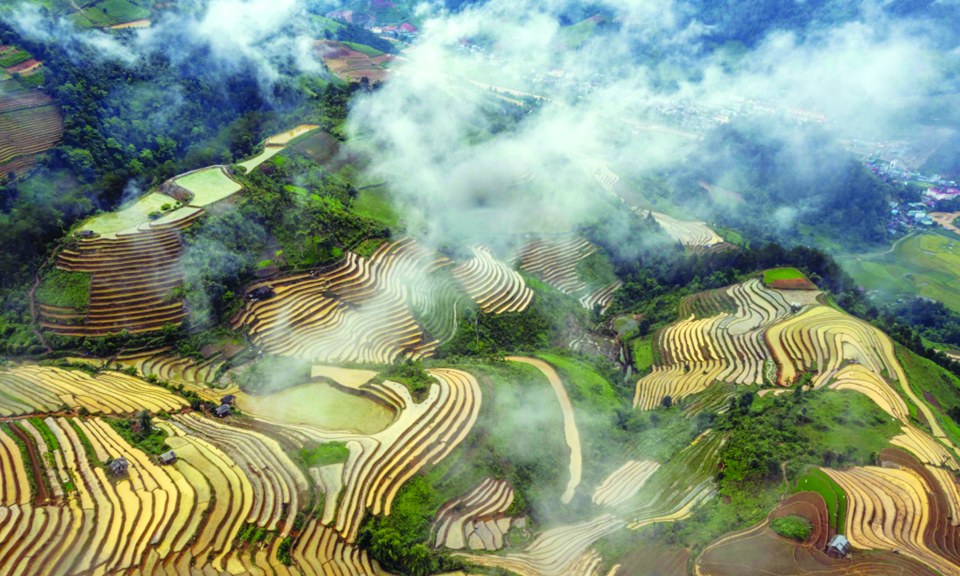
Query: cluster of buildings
(908,215)
(892,170)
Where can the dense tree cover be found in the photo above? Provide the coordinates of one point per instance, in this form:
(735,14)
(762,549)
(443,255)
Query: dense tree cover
(931,319)
(349,32)
(793,527)
(796,183)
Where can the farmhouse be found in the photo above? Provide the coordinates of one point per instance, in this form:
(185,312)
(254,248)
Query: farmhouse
(168,457)
(838,547)
(221,411)
(118,466)
(228,399)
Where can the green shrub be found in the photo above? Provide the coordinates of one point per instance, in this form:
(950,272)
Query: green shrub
(67,289)
(328,453)
(793,527)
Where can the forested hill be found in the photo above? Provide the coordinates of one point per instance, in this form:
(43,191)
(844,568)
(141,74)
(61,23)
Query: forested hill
(796,183)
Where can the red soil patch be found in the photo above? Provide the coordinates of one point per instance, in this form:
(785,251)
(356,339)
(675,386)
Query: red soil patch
(651,560)
(25,65)
(793,284)
(811,506)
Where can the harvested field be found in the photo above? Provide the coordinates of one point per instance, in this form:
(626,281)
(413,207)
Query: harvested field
(345,377)
(187,371)
(350,65)
(722,339)
(477,519)
(208,186)
(555,261)
(284,138)
(493,285)
(320,551)
(655,561)
(30,123)
(892,509)
(687,233)
(47,389)
(569,423)
(132,277)
(422,434)
(359,310)
(624,483)
(758,550)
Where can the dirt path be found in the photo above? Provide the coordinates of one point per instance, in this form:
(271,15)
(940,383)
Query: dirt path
(569,425)
(33,313)
(875,254)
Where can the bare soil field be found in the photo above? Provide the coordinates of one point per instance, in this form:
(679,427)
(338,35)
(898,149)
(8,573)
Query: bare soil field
(350,65)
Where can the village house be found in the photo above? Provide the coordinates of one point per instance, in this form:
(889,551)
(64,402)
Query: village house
(222,411)
(119,466)
(838,547)
(168,457)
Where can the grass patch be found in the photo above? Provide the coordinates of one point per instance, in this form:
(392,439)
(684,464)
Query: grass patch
(87,446)
(413,376)
(926,377)
(368,246)
(64,289)
(375,203)
(327,453)
(643,352)
(596,270)
(781,274)
(836,499)
(48,436)
(364,49)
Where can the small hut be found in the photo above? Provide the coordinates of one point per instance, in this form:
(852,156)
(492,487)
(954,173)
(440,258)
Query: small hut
(838,547)
(118,466)
(168,457)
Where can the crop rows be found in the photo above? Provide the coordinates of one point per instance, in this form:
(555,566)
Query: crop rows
(492,284)
(899,508)
(725,347)
(559,551)
(624,483)
(161,519)
(477,519)
(602,296)
(321,552)
(811,506)
(359,310)
(422,434)
(556,262)
(821,339)
(132,278)
(173,368)
(35,389)
(687,233)
(677,487)
(29,131)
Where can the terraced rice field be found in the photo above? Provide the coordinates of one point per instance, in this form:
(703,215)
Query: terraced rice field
(36,389)
(477,519)
(422,434)
(350,65)
(554,261)
(688,233)
(161,362)
(30,123)
(757,550)
(492,284)
(208,186)
(900,507)
(721,340)
(131,280)
(359,310)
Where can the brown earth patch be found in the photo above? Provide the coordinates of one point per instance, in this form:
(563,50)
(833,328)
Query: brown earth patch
(932,400)
(811,506)
(792,284)
(655,560)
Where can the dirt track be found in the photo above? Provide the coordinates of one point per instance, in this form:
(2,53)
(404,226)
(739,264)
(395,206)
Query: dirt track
(569,425)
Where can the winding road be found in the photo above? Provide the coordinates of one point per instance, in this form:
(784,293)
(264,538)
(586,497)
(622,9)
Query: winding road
(569,425)
(875,254)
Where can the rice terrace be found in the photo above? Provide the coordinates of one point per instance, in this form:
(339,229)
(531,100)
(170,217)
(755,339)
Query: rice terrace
(385,288)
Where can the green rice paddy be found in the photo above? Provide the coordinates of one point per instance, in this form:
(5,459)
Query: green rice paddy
(208,186)
(927,265)
(128,217)
(781,274)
